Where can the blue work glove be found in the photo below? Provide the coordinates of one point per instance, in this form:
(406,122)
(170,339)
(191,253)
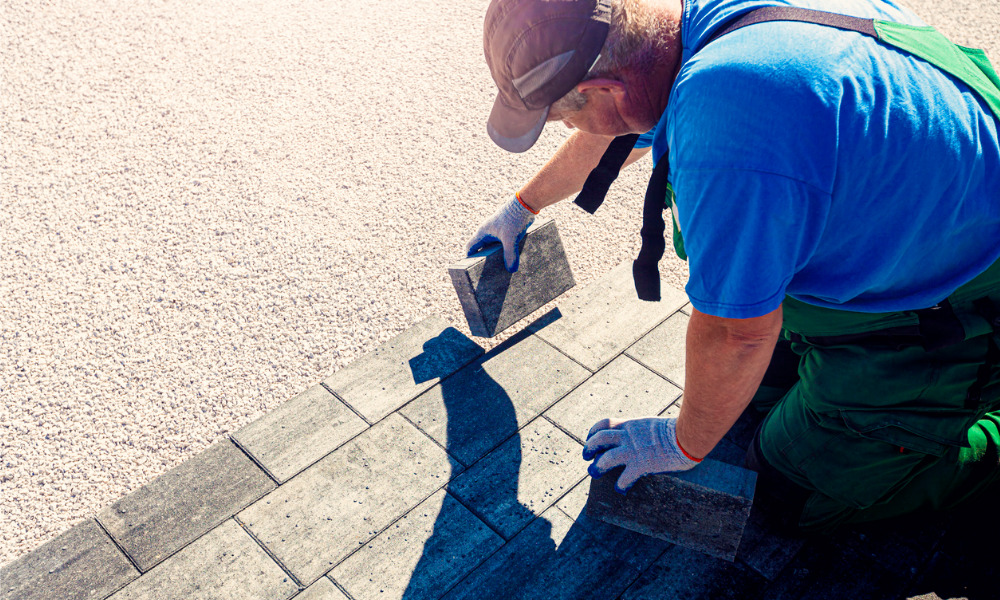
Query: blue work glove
(643,446)
(507,226)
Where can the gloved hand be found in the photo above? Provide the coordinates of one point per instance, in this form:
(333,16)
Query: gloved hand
(644,446)
(507,226)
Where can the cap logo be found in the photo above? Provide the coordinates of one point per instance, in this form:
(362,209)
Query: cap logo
(541,74)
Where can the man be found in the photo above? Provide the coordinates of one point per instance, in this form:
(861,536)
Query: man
(838,199)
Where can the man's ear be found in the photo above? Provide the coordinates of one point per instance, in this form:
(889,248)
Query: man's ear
(602,85)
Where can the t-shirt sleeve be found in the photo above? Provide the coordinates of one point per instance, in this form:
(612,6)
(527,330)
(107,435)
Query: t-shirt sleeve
(645,140)
(753,153)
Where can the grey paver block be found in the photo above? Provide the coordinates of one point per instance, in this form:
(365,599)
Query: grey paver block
(494,299)
(80,564)
(684,573)
(225,564)
(663,348)
(425,552)
(767,547)
(404,367)
(599,321)
(480,406)
(299,432)
(553,558)
(163,516)
(523,477)
(623,389)
(326,512)
(639,550)
(705,509)
(323,589)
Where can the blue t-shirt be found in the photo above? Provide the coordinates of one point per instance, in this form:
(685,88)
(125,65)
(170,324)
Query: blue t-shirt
(821,164)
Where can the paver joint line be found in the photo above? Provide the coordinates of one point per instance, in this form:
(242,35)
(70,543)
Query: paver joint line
(348,404)
(254,460)
(270,554)
(119,546)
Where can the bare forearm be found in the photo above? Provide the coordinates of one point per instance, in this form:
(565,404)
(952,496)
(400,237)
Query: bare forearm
(725,362)
(568,169)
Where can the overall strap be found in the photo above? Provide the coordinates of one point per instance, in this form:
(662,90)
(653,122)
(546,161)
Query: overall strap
(802,15)
(604,174)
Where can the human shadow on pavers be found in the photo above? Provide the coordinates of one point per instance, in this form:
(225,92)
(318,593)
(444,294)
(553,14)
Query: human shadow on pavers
(539,557)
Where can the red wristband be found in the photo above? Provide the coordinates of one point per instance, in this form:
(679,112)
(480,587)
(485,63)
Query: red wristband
(526,207)
(683,451)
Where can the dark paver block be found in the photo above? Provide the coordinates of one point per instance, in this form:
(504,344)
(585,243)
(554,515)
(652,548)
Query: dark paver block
(494,299)
(637,549)
(523,477)
(404,367)
(80,564)
(684,573)
(599,321)
(768,546)
(474,410)
(663,348)
(299,432)
(553,558)
(163,516)
(334,507)
(704,509)
(427,551)
(623,389)
(225,564)
(323,589)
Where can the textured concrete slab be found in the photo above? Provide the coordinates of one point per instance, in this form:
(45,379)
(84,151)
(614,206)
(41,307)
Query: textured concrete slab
(704,509)
(479,407)
(523,477)
(174,509)
(663,348)
(429,550)
(404,367)
(299,432)
(81,564)
(323,589)
(623,389)
(598,322)
(225,564)
(767,547)
(328,511)
(553,558)
(637,549)
(684,573)
(494,299)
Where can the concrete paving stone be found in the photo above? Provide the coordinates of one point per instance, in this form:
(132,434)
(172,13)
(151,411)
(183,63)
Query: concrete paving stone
(299,432)
(80,564)
(637,549)
(523,477)
(486,402)
(767,546)
(742,432)
(404,367)
(553,558)
(663,348)
(729,453)
(687,574)
(945,578)
(177,507)
(822,571)
(420,556)
(225,564)
(328,511)
(598,322)
(687,308)
(494,299)
(323,589)
(703,509)
(623,389)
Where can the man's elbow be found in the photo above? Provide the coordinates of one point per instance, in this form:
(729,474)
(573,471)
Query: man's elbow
(747,334)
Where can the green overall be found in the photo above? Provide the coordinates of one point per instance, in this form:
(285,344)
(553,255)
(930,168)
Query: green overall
(882,414)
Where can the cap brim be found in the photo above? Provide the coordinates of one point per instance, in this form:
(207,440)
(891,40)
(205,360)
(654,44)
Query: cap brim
(515,130)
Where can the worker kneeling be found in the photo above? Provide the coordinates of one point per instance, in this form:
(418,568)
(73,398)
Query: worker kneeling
(834,183)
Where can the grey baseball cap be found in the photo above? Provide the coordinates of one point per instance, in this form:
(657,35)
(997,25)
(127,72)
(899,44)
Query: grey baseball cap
(537,51)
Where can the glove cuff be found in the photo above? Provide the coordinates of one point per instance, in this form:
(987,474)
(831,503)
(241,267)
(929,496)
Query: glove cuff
(517,195)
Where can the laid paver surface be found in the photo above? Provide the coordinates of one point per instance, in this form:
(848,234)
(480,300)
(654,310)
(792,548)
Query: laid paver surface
(434,470)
